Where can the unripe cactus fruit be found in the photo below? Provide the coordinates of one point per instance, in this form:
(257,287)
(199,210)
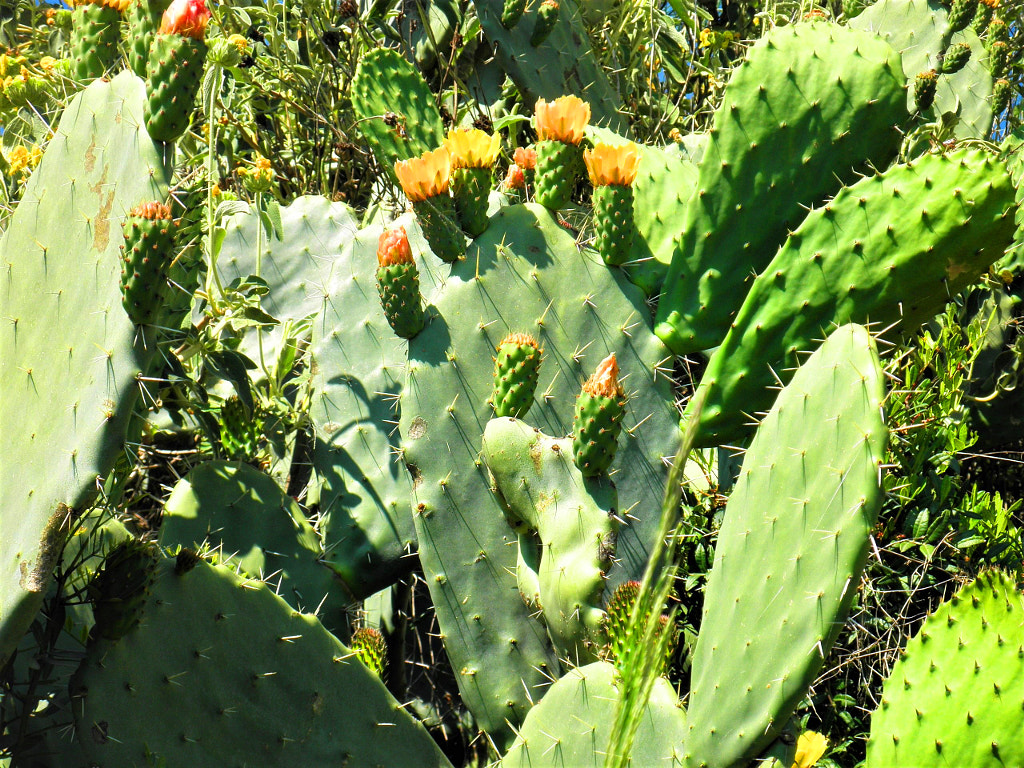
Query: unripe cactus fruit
(512,12)
(1001,94)
(560,125)
(118,593)
(997,30)
(955,57)
(612,171)
(599,411)
(547,17)
(472,152)
(516,371)
(176,58)
(369,645)
(398,283)
(238,433)
(961,13)
(143,17)
(983,15)
(924,89)
(998,58)
(616,624)
(425,181)
(95,33)
(147,254)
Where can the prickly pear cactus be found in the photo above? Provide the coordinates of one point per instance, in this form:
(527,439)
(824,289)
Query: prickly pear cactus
(812,104)
(175,68)
(524,274)
(516,373)
(954,697)
(221,671)
(566,528)
(794,557)
(573,722)
(143,20)
(148,252)
(95,33)
(62,298)
(894,247)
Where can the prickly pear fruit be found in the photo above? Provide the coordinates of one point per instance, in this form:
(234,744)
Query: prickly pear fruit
(119,591)
(997,31)
(95,33)
(398,283)
(512,12)
(516,371)
(425,181)
(547,17)
(238,433)
(599,411)
(955,57)
(369,645)
(148,251)
(143,17)
(924,89)
(560,125)
(983,15)
(612,171)
(998,58)
(1000,95)
(176,58)
(961,13)
(473,153)
(616,624)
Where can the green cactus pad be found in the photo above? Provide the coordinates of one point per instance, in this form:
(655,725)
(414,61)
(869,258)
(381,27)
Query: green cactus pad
(95,33)
(399,288)
(436,217)
(175,69)
(894,247)
(955,696)
(143,21)
(470,188)
(811,105)
(558,169)
(789,559)
(396,110)
(65,325)
(516,372)
(242,514)
(573,722)
(525,273)
(148,252)
(220,671)
(564,520)
(613,223)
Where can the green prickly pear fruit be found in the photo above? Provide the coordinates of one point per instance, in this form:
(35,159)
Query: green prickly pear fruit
(176,58)
(369,645)
(1001,93)
(983,15)
(560,125)
(547,17)
(398,283)
(147,253)
(616,624)
(143,19)
(924,89)
(95,33)
(998,58)
(472,154)
(238,433)
(425,181)
(599,411)
(955,57)
(612,171)
(997,31)
(119,591)
(516,372)
(512,12)
(961,13)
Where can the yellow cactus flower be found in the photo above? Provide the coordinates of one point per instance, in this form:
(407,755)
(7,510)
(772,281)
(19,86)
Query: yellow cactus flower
(425,176)
(17,160)
(809,749)
(563,119)
(472,148)
(47,63)
(118,5)
(239,42)
(608,164)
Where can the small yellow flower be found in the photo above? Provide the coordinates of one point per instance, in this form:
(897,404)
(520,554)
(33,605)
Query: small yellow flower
(18,160)
(563,119)
(34,156)
(676,135)
(425,176)
(707,38)
(47,63)
(215,190)
(612,164)
(239,42)
(809,749)
(472,148)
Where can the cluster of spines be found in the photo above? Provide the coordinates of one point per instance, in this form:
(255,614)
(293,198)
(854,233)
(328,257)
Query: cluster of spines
(147,254)
(516,372)
(600,407)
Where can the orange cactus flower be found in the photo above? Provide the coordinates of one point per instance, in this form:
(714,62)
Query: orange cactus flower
(525,158)
(425,176)
(604,382)
(563,119)
(515,178)
(187,18)
(393,247)
(118,5)
(608,164)
(472,148)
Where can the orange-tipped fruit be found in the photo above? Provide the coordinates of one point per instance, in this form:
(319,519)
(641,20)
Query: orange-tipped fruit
(393,247)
